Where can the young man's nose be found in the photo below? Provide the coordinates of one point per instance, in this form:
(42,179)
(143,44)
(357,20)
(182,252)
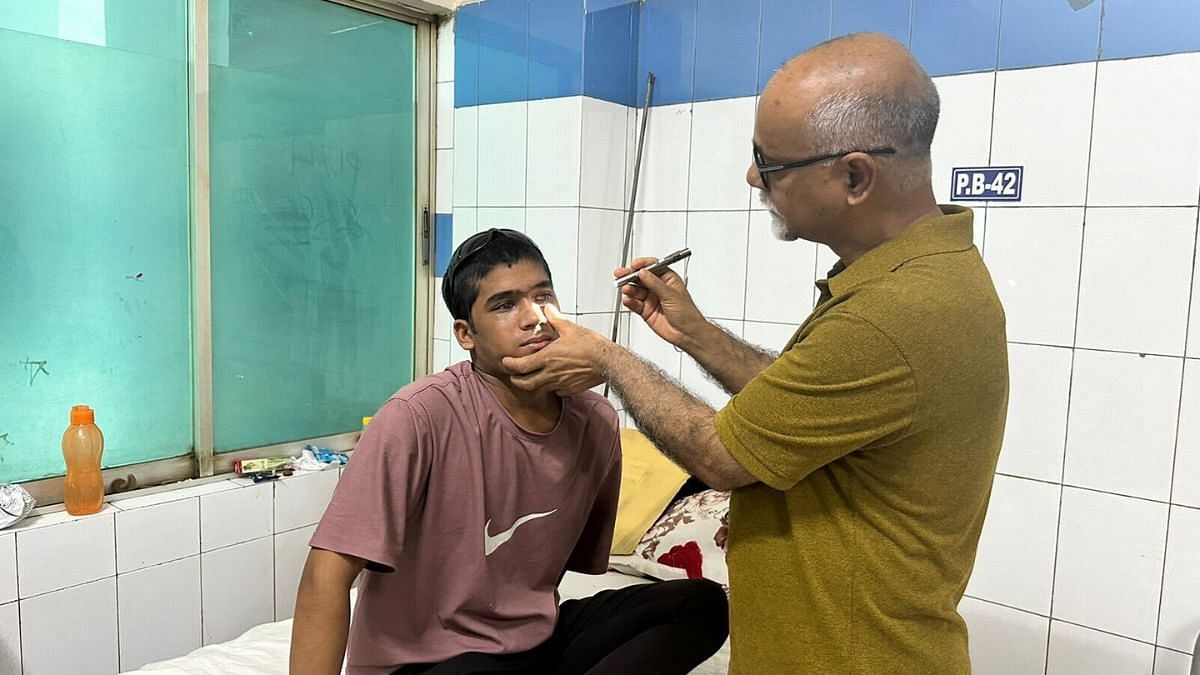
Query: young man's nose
(529,315)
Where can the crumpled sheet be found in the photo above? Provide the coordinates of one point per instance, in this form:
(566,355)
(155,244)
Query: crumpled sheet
(264,649)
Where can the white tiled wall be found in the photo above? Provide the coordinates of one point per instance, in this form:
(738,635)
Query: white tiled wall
(1089,552)
(158,611)
(71,630)
(10,639)
(153,577)
(1096,269)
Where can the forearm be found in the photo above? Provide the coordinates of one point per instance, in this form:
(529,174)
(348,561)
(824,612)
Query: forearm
(678,423)
(320,628)
(729,360)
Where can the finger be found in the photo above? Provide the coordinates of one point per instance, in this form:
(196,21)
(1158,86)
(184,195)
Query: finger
(523,365)
(637,264)
(556,319)
(527,382)
(633,304)
(656,284)
(631,291)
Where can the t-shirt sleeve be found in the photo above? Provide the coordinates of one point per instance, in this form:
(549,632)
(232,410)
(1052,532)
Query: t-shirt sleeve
(591,551)
(846,386)
(370,509)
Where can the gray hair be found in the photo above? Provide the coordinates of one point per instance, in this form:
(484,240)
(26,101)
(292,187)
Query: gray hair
(847,120)
(861,121)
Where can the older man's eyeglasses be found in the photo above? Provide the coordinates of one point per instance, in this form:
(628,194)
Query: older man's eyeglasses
(766,168)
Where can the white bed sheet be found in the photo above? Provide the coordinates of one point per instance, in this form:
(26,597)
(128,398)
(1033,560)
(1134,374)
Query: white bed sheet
(263,650)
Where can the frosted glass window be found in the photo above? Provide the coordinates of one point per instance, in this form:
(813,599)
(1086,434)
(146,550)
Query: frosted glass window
(312,134)
(313,207)
(94,229)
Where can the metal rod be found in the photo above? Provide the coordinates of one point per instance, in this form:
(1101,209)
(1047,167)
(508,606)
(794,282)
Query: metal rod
(633,190)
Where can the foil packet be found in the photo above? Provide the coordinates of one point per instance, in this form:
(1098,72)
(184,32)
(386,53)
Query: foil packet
(15,504)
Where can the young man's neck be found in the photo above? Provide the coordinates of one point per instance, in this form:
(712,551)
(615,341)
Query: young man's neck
(535,411)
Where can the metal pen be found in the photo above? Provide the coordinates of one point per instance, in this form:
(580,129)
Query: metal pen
(657,268)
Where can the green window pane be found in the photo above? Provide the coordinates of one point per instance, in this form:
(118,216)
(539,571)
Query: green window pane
(94,242)
(313,190)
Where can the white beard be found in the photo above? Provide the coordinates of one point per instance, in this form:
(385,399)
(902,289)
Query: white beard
(779,226)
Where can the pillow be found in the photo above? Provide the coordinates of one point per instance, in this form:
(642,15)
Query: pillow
(688,542)
(648,483)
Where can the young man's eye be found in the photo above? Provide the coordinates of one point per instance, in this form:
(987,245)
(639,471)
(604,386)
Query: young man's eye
(545,297)
(503,307)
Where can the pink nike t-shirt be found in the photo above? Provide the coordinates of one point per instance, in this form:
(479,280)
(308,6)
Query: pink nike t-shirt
(468,521)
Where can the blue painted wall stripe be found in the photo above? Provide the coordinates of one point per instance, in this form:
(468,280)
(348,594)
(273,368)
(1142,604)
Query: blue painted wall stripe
(555,49)
(667,48)
(610,52)
(514,50)
(466,56)
(1150,27)
(443,242)
(788,27)
(890,17)
(722,71)
(503,51)
(969,47)
(1040,33)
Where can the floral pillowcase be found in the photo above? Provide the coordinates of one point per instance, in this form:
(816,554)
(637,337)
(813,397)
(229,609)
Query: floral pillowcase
(687,542)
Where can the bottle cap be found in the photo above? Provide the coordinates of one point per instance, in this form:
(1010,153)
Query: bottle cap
(81,414)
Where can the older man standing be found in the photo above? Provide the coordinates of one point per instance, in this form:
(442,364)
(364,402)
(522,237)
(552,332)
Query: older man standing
(861,458)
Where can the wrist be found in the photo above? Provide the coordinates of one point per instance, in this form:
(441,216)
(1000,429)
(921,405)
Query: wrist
(606,354)
(695,338)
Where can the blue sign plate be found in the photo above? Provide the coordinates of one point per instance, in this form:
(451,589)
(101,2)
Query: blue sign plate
(986,184)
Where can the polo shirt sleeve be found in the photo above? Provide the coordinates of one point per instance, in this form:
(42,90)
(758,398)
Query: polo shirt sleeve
(374,499)
(844,387)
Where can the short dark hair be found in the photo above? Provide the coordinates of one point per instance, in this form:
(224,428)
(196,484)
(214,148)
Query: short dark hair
(476,257)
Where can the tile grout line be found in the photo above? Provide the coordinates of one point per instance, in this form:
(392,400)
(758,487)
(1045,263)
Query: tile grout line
(582,149)
(992,129)
(200,563)
(912,19)
(117,591)
(1071,369)
(1162,587)
(755,97)
(1084,488)
(1100,350)
(1071,623)
(17,600)
(274,560)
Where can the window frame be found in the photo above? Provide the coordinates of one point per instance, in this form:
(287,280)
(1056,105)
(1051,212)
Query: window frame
(204,461)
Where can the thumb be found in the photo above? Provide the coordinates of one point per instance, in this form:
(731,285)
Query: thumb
(555,318)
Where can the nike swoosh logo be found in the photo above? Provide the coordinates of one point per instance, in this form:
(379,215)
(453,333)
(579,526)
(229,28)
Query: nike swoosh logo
(491,543)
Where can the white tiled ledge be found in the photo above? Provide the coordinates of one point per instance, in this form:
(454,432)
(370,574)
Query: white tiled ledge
(223,553)
(56,514)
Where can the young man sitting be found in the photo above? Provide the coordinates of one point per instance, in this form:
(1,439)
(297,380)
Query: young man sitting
(466,501)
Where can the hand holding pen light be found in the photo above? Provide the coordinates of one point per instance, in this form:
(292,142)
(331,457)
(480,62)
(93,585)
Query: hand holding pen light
(657,268)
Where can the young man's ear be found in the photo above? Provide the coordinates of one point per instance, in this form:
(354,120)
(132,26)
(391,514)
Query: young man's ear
(464,335)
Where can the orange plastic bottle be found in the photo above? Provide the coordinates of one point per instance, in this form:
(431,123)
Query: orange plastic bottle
(83,491)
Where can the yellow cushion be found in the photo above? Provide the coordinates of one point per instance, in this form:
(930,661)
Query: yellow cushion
(648,482)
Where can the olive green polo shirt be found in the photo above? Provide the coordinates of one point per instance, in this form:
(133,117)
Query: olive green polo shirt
(875,435)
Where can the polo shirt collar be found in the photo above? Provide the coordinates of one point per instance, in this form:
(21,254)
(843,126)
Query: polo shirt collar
(949,233)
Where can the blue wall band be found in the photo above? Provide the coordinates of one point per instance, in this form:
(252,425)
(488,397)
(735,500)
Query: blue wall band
(517,50)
